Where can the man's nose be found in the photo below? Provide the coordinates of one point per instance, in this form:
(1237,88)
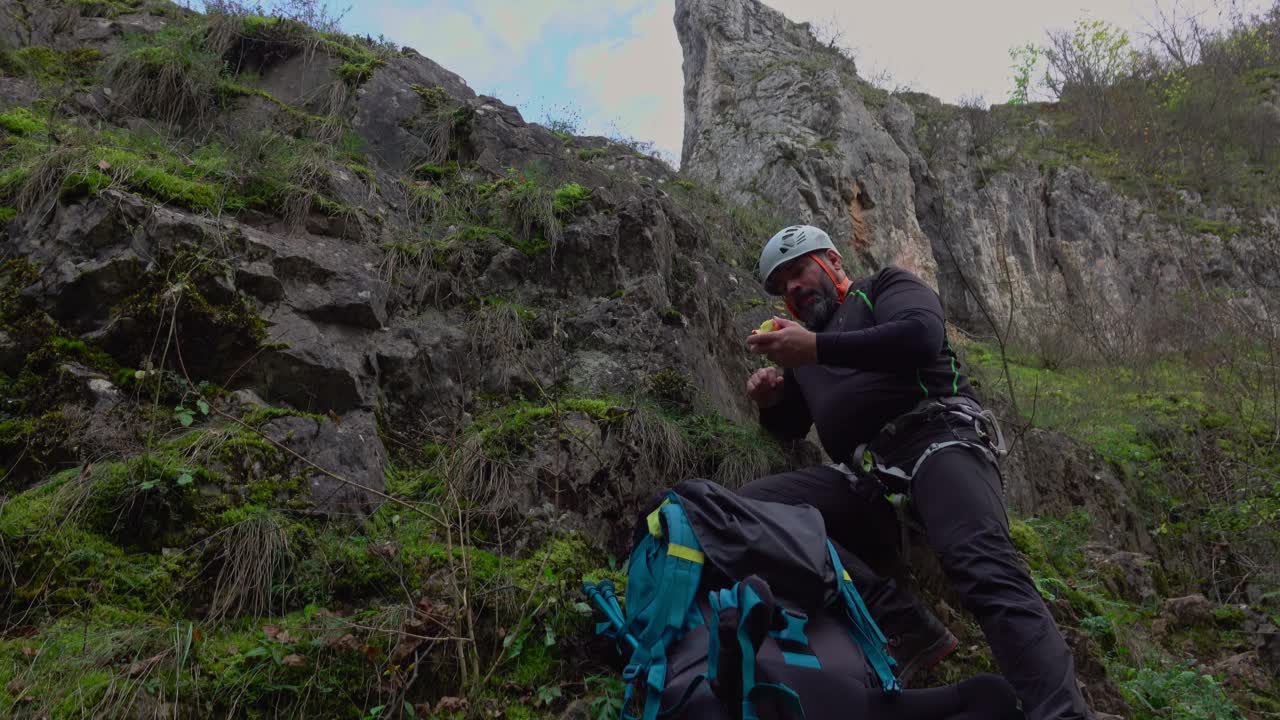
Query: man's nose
(793,285)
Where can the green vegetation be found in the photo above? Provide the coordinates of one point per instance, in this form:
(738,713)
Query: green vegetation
(1194,446)
(1185,113)
(272,172)
(1162,424)
(50,67)
(169,75)
(568,197)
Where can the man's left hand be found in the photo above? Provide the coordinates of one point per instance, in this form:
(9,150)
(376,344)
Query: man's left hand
(791,345)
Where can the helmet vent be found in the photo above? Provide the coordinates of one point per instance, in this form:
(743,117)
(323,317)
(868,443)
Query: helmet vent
(792,238)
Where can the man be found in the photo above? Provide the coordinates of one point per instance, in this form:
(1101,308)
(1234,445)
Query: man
(872,369)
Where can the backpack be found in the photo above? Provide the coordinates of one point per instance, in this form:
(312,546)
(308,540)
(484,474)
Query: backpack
(739,608)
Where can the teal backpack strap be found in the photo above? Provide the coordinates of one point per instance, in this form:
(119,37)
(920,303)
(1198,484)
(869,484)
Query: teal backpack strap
(745,599)
(865,630)
(664,620)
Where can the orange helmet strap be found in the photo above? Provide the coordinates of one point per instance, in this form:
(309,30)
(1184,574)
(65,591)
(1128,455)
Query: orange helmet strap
(842,286)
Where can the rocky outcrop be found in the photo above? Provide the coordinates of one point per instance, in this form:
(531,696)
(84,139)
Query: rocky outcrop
(774,116)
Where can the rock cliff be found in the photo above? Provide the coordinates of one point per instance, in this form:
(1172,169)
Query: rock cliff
(773,115)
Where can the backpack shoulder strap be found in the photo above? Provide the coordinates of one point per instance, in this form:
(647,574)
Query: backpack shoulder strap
(669,609)
(865,631)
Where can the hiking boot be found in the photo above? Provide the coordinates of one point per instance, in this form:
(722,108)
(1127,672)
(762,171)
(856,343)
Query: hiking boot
(920,647)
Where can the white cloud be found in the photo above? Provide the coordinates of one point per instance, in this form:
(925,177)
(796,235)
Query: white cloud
(489,42)
(634,83)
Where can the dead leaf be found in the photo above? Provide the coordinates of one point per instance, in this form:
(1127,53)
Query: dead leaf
(337,420)
(274,632)
(346,642)
(293,661)
(372,652)
(28,651)
(233,650)
(103,165)
(450,702)
(197,636)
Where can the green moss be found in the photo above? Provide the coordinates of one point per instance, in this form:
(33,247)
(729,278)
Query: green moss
(356,72)
(22,122)
(7,214)
(1228,616)
(515,428)
(474,233)
(260,416)
(65,667)
(432,97)
(273,28)
(589,154)
(535,665)
(48,66)
(1028,541)
(33,446)
(436,173)
(568,197)
(61,563)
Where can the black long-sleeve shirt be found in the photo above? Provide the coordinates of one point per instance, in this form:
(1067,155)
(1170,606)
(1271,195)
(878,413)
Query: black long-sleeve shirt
(883,351)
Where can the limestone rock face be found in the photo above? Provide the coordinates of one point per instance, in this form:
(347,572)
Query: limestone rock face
(772,114)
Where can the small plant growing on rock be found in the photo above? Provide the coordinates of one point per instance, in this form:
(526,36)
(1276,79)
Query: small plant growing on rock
(170,76)
(568,197)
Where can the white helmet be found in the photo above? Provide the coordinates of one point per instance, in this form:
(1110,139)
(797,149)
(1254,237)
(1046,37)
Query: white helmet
(787,245)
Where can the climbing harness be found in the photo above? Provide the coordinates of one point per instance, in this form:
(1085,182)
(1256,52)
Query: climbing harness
(894,482)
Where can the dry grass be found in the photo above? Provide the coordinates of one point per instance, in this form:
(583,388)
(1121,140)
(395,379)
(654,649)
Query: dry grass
(442,131)
(253,554)
(741,465)
(500,329)
(472,474)
(662,445)
(171,79)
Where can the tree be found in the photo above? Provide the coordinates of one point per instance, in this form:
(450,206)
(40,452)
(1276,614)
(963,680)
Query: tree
(1025,59)
(1093,56)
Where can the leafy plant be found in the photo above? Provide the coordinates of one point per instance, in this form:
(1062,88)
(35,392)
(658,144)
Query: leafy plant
(186,415)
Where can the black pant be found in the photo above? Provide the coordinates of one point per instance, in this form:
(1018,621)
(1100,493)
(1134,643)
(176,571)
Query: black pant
(956,496)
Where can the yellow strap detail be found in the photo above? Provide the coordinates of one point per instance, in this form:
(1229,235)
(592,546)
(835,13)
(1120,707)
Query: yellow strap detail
(655,524)
(685,553)
(846,576)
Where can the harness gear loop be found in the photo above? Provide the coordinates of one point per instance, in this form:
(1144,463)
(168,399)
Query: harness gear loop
(894,483)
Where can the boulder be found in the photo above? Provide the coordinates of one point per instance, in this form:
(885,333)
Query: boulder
(1188,611)
(341,458)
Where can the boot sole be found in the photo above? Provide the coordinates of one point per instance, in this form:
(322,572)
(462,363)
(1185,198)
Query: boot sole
(929,658)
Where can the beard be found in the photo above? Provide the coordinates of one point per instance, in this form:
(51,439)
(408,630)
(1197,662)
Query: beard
(817,306)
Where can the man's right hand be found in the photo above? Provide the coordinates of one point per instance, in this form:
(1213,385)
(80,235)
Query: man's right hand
(765,387)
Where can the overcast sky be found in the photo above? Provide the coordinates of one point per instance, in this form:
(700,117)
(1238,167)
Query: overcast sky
(615,66)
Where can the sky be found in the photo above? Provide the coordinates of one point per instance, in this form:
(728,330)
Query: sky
(614,68)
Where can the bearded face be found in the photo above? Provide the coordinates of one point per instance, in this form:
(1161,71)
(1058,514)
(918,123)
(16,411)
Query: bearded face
(816,305)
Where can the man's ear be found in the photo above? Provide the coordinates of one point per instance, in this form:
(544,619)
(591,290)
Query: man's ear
(833,258)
